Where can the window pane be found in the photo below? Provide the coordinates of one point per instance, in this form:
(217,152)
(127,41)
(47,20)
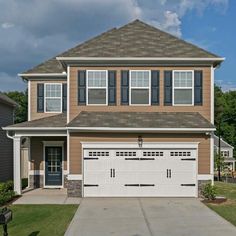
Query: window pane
(183,79)
(53,90)
(96,78)
(97,96)
(139,96)
(140,79)
(183,96)
(53,104)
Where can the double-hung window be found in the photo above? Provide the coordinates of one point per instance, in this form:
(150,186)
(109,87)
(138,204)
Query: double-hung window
(53,97)
(183,88)
(140,87)
(97,87)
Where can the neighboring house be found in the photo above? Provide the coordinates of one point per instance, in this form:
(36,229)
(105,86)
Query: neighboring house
(7,107)
(227,151)
(127,113)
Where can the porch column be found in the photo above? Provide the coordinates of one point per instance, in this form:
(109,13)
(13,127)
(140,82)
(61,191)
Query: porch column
(17,164)
(233,165)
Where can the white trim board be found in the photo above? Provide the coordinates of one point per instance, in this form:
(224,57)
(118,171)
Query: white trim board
(74,177)
(63,74)
(205,177)
(156,145)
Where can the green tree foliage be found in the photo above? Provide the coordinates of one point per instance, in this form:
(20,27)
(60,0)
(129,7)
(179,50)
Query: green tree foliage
(21,98)
(225,107)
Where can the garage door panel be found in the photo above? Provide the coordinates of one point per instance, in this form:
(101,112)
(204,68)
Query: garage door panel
(137,172)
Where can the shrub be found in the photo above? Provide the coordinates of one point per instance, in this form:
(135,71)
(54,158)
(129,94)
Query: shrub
(209,191)
(6,192)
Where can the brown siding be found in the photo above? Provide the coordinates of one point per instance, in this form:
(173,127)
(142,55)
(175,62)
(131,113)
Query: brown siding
(33,98)
(204,109)
(76,153)
(37,151)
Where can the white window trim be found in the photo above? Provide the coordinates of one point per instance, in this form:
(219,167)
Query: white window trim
(149,88)
(173,88)
(45,97)
(87,88)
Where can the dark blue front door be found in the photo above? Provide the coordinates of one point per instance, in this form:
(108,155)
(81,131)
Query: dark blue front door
(53,166)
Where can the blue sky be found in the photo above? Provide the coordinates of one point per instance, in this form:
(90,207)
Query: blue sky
(32,31)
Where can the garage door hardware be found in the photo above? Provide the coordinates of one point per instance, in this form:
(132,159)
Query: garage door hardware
(91,158)
(188,185)
(139,159)
(188,159)
(112,173)
(168,173)
(139,185)
(91,185)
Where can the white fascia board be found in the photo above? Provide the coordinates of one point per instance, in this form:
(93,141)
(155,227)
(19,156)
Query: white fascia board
(140,129)
(34,128)
(43,75)
(139,59)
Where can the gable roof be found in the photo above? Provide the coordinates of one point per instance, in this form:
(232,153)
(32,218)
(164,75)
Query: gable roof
(6,100)
(223,143)
(136,39)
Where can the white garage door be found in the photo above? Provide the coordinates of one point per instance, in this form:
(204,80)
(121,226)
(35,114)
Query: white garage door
(139,173)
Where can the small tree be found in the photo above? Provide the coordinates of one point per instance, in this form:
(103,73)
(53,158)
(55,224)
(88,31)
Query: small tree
(219,163)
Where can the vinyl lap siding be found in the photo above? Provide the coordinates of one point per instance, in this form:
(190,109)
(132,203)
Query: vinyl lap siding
(204,110)
(77,138)
(6,144)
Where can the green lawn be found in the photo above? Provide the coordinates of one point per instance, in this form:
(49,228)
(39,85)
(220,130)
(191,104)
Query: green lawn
(226,210)
(40,220)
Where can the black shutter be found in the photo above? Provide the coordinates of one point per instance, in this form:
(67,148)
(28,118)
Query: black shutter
(111,88)
(40,97)
(198,88)
(64,97)
(82,87)
(155,75)
(168,88)
(125,87)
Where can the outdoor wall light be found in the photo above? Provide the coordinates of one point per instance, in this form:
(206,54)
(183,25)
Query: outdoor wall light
(140,141)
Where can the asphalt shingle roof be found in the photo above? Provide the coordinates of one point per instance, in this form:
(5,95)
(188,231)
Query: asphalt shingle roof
(136,39)
(140,120)
(223,143)
(5,99)
(122,120)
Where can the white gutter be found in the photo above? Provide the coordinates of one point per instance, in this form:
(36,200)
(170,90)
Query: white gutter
(139,59)
(110,129)
(8,135)
(43,74)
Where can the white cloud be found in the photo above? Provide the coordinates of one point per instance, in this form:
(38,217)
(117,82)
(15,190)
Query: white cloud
(7,25)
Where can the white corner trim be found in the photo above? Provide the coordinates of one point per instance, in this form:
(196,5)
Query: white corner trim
(212,153)
(68,95)
(212,93)
(29,99)
(68,151)
(205,177)
(139,58)
(193,145)
(74,177)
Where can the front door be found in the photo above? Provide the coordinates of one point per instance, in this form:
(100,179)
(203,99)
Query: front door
(53,166)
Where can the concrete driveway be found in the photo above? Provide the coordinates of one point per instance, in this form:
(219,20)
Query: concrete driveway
(147,217)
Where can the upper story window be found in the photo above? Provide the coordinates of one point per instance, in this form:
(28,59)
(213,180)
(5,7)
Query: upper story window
(53,97)
(97,87)
(140,87)
(225,153)
(183,88)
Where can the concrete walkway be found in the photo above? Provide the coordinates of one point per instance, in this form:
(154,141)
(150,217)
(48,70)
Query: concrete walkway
(46,196)
(147,217)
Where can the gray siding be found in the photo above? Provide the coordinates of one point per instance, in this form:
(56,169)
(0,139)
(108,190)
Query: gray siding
(6,145)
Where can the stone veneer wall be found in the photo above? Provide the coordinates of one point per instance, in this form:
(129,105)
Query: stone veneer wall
(36,181)
(201,184)
(74,187)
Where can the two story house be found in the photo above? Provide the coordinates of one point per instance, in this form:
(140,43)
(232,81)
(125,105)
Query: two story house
(127,113)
